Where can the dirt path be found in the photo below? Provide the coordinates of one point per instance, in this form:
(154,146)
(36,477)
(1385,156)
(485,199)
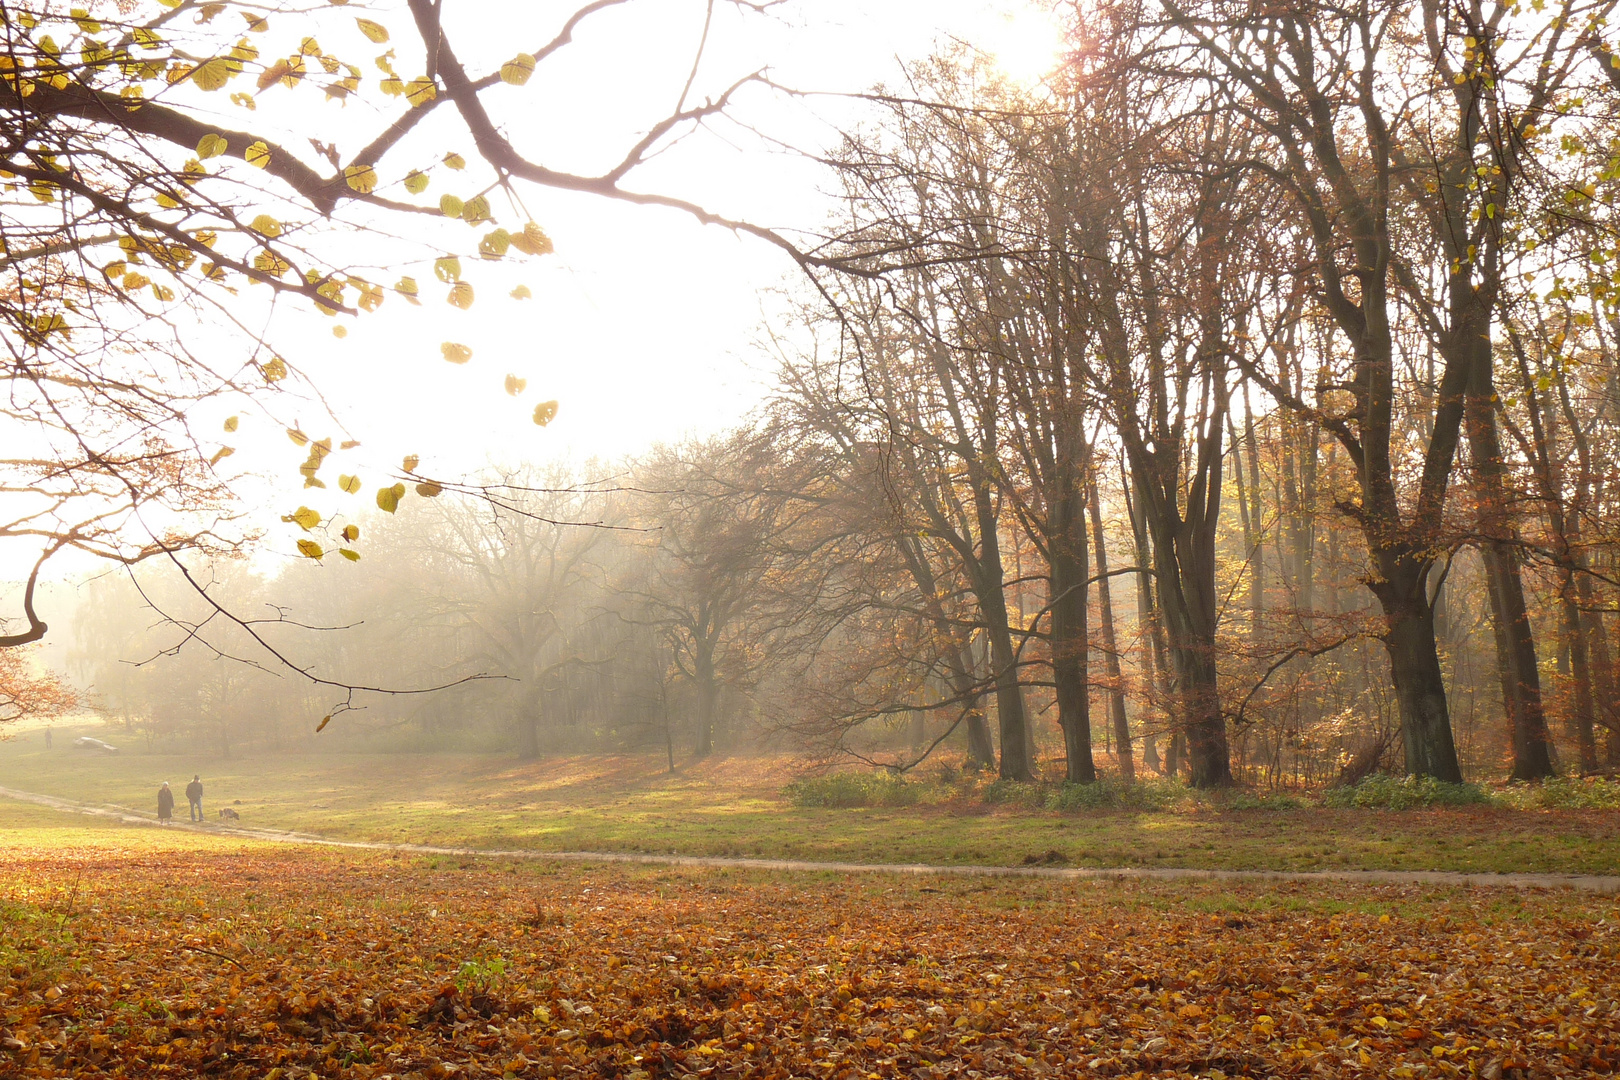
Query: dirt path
(1584,882)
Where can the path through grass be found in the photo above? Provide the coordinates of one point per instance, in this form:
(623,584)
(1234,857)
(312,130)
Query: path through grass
(736,807)
(139,952)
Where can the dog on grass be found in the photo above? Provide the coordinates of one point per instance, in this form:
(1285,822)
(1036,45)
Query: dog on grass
(228,814)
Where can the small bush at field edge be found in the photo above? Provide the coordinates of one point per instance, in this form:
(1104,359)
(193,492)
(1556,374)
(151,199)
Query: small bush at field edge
(1383,792)
(1563,793)
(842,790)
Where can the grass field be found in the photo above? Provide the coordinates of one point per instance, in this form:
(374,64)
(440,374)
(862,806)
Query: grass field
(138,952)
(737,807)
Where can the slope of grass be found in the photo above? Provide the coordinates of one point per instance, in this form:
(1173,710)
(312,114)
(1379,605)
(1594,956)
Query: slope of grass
(738,807)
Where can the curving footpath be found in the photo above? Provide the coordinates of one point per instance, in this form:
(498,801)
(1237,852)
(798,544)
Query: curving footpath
(1596,883)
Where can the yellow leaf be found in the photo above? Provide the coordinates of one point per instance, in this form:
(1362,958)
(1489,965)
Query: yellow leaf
(305,518)
(362,178)
(532,240)
(461,295)
(522,293)
(388,498)
(420,90)
(232,423)
(494,244)
(349,485)
(351,555)
(340,331)
(257,154)
(351,533)
(516,71)
(257,24)
(450,206)
(545,413)
(515,385)
(211,146)
(428,490)
(322,725)
(213,74)
(476,210)
(265,225)
(447,269)
(298,437)
(309,549)
(406,287)
(375,31)
(269,262)
(220,455)
(411,462)
(456,354)
(455,161)
(275,370)
(416,181)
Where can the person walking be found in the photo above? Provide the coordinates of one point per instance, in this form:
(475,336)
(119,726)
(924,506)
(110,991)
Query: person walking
(194,797)
(165,804)
(47,736)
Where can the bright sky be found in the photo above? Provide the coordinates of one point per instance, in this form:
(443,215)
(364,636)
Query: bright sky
(643,324)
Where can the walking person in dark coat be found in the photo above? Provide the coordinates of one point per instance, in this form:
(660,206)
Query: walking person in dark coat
(165,803)
(194,797)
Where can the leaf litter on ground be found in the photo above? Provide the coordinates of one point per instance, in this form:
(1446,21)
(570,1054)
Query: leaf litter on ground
(249,961)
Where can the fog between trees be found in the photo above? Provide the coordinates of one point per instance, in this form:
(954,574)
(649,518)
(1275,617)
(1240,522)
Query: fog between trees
(1241,405)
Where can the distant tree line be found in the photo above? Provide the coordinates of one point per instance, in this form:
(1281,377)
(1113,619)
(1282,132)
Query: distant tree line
(1244,404)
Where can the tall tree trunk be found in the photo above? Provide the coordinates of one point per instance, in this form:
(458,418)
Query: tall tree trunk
(966,673)
(1420,686)
(1253,556)
(1071,643)
(1256,543)
(708,693)
(990,588)
(1516,646)
(1582,719)
(1105,609)
(1147,629)
(961,660)
(1600,656)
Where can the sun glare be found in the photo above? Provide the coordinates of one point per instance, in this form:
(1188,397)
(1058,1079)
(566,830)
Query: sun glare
(1025,43)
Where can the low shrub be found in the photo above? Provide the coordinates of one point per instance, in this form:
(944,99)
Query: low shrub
(1014,793)
(1564,793)
(850,789)
(1383,792)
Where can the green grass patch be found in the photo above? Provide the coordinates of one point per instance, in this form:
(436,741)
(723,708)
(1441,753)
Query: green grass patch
(850,789)
(756,807)
(1563,793)
(1405,793)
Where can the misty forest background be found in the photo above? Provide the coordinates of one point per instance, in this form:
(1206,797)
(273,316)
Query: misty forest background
(1074,467)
